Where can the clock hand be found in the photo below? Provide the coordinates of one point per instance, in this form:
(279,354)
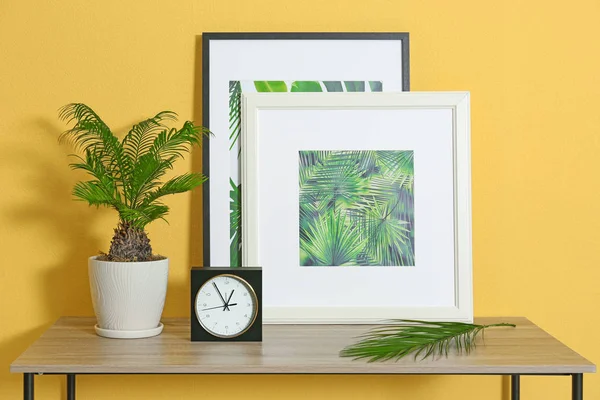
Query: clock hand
(225,307)
(212,308)
(229,299)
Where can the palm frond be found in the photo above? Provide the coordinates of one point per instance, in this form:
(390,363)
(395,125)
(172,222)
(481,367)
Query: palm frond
(420,338)
(145,176)
(178,184)
(235,224)
(337,177)
(95,193)
(174,143)
(397,161)
(140,137)
(312,208)
(143,215)
(92,164)
(373,190)
(309,158)
(91,134)
(331,241)
(127,173)
(386,236)
(235,112)
(89,130)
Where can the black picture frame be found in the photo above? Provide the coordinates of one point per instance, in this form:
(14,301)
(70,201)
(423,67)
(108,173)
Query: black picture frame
(209,37)
(199,275)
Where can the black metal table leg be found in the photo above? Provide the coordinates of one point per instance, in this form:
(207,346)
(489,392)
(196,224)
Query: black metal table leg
(70,386)
(28,386)
(577,386)
(515,387)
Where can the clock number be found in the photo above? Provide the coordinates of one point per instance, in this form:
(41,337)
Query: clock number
(207,315)
(208,294)
(245,294)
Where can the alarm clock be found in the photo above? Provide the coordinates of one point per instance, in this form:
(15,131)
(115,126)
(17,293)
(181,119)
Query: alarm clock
(226,304)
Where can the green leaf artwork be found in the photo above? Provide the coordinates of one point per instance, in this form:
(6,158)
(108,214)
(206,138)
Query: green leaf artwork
(356,208)
(270,86)
(236,88)
(235,223)
(357,86)
(306,86)
(375,86)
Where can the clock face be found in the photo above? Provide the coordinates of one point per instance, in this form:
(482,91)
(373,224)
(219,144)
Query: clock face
(226,306)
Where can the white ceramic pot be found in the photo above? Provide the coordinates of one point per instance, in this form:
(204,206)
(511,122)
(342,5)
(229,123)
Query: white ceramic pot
(128,297)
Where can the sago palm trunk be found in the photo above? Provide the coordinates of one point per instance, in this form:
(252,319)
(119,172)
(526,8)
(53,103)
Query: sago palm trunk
(129,244)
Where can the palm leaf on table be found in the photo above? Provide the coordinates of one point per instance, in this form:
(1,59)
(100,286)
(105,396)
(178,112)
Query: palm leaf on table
(421,338)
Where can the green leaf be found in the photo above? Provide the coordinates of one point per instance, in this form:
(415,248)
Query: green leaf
(306,86)
(95,193)
(387,237)
(127,174)
(235,111)
(421,338)
(179,184)
(174,143)
(141,136)
(146,176)
(91,134)
(143,215)
(333,86)
(376,86)
(373,190)
(270,86)
(331,242)
(355,86)
(235,224)
(337,177)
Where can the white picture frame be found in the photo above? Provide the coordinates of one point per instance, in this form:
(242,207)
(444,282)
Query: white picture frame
(435,127)
(231,62)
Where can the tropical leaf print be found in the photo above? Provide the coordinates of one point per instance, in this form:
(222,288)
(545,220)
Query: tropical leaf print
(306,86)
(356,208)
(330,240)
(333,86)
(270,86)
(235,224)
(235,112)
(375,86)
(355,86)
(235,92)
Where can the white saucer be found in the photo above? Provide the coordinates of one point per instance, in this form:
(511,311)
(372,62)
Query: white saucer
(113,334)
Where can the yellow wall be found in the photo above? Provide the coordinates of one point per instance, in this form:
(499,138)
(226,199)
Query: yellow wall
(532,68)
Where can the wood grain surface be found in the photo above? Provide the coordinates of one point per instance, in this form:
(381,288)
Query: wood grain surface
(71,346)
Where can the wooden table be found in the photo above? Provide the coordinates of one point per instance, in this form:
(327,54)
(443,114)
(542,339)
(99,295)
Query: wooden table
(71,347)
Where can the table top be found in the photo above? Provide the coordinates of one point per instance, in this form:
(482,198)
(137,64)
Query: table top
(71,346)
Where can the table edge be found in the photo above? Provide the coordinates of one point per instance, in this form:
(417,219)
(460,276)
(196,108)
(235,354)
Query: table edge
(351,370)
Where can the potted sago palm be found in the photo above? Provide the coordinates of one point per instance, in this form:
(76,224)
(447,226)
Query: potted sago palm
(129,283)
